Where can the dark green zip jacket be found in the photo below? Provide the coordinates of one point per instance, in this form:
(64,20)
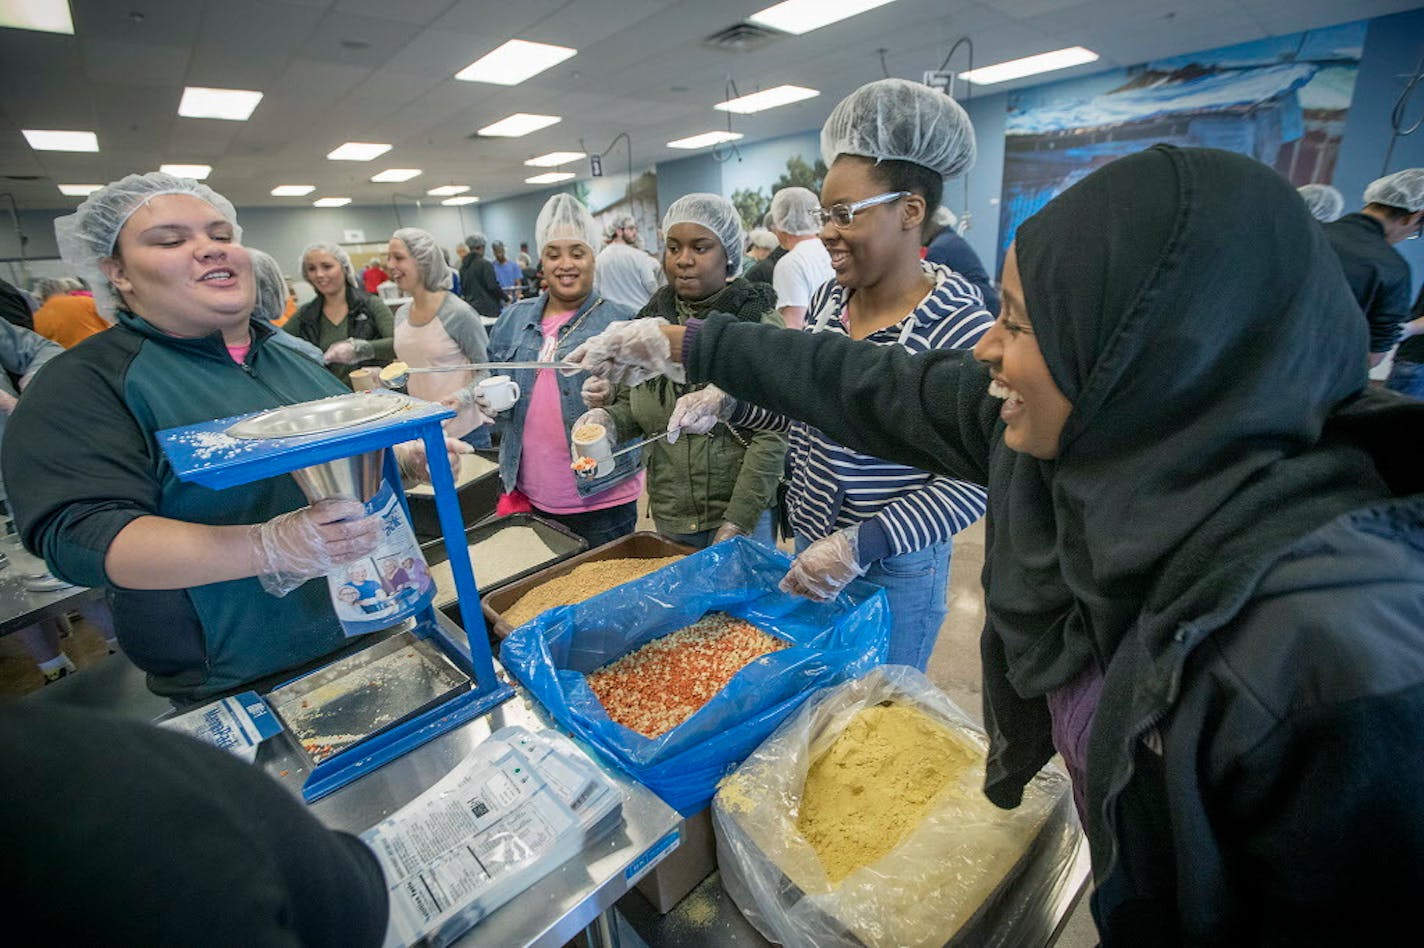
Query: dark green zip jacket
(82,462)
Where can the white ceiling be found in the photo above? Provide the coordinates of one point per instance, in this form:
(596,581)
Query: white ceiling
(381,70)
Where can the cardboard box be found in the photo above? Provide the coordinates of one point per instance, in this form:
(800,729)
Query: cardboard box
(669,882)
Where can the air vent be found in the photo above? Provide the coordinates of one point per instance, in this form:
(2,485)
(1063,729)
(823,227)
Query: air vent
(742,38)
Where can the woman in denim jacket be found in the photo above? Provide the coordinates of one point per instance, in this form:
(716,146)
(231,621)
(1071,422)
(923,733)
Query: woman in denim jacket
(534,448)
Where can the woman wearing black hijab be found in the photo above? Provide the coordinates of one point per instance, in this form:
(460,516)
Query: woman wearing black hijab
(1204,580)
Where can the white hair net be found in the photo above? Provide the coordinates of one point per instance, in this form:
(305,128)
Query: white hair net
(793,210)
(763,238)
(563,217)
(715,213)
(1404,189)
(429,258)
(944,217)
(335,250)
(1324,202)
(271,286)
(91,233)
(900,120)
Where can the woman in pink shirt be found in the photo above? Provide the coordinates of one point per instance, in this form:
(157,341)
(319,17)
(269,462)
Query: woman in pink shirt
(534,450)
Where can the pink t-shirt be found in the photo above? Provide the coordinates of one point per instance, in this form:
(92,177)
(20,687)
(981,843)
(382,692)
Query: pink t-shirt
(239,353)
(544,473)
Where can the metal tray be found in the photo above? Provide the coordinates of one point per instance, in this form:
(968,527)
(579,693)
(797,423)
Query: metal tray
(365,693)
(327,414)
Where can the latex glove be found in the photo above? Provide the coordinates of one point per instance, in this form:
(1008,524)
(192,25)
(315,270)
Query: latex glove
(596,392)
(629,352)
(8,402)
(349,351)
(698,412)
(825,567)
(727,530)
(295,547)
(471,398)
(414,469)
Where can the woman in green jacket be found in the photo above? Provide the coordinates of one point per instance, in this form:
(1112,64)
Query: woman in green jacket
(706,488)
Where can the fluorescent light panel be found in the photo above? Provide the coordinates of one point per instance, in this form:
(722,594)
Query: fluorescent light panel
(515,61)
(45,16)
(445,190)
(396,174)
(705,139)
(1029,66)
(196,172)
(460,201)
(79,190)
(550,177)
(359,151)
(520,123)
(555,158)
(803,16)
(766,99)
(234,105)
(331,202)
(293,190)
(50,140)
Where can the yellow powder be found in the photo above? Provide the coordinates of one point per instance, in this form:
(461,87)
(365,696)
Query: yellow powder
(874,784)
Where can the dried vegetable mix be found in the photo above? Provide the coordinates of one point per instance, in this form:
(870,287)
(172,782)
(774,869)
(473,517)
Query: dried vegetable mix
(668,680)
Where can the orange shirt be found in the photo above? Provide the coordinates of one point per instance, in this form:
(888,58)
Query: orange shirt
(287,313)
(69,320)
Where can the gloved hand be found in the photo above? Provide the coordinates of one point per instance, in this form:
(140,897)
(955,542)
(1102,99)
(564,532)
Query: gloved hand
(8,402)
(629,352)
(727,530)
(349,351)
(595,416)
(294,547)
(471,398)
(414,466)
(825,567)
(698,412)
(596,392)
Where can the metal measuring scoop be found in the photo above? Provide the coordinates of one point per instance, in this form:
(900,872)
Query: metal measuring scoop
(397,374)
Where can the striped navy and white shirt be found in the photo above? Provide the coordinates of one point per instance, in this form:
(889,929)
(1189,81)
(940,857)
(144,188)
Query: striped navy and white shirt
(833,487)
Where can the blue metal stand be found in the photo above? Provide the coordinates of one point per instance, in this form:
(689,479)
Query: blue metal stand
(204,455)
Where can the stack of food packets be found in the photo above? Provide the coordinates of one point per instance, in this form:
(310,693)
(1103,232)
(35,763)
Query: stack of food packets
(519,806)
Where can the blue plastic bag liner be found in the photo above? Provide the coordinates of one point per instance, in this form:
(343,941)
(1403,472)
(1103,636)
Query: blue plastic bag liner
(392,583)
(830,643)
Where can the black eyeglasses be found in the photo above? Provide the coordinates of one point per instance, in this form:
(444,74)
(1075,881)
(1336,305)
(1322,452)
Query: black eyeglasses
(843,214)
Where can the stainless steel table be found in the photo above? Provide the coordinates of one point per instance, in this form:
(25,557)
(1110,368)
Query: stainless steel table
(20,607)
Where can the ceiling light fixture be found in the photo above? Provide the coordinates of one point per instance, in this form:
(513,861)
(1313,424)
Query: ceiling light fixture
(515,61)
(43,140)
(551,177)
(518,124)
(359,151)
(555,158)
(1030,66)
(445,190)
(79,190)
(460,201)
(331,202)
(396,174)
(44,16)
(234,105)
(293,190)
(705,139)
(196,172)
(803,16)
(766,99)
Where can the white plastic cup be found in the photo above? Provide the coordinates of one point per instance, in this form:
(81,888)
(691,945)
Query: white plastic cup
(591,441)
(501,391)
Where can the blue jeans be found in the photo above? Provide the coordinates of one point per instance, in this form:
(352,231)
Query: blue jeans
(1407,377)
(598,526)
(479,438)
(703,539)
(916,584)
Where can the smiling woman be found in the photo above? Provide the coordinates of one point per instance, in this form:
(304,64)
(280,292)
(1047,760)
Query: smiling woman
(350,326)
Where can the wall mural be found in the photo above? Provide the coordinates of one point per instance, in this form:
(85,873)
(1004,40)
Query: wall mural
(1281,100)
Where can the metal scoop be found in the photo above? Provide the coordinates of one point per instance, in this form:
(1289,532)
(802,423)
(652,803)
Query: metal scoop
(397,374)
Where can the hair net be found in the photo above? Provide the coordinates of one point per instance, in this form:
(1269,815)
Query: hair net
(1324,202)
(763,238)
(271,286)
(1403,189)
(563,217)
(627,220)
(717,214)
(429,258)
(497,245)
(475,241)
(342,257)
(900,120)
(91,233)
(944,217)
(793,210)
(51,286)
